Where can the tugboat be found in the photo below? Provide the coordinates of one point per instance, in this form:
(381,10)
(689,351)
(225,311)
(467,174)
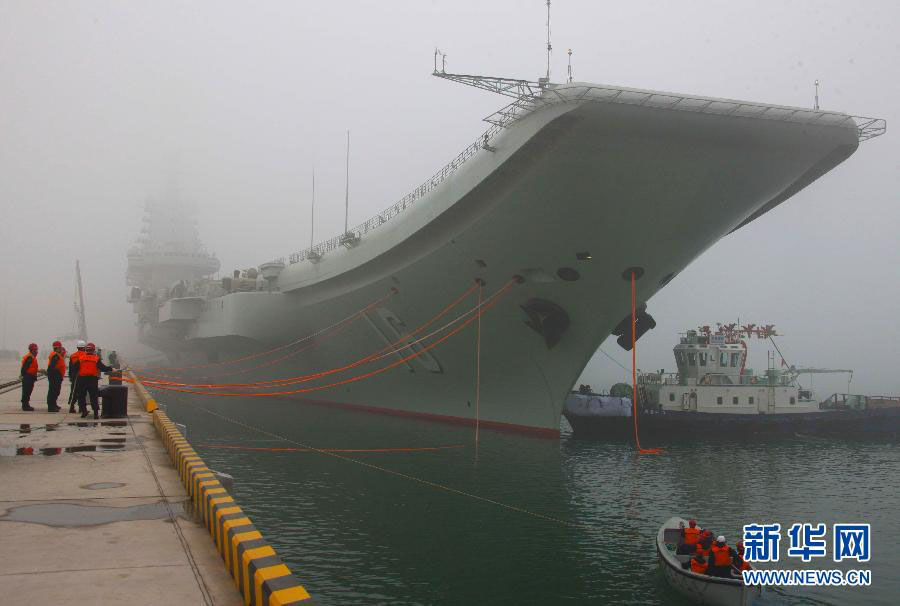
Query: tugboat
(714,395)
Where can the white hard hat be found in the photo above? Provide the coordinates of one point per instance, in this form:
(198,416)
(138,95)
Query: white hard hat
(721,538)
(80,343)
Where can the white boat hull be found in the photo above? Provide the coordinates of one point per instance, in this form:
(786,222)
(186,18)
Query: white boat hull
(701,589)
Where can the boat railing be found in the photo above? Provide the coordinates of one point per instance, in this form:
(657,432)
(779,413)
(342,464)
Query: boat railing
(708,380)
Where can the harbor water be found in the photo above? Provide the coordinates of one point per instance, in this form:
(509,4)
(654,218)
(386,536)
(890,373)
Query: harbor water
(404,511)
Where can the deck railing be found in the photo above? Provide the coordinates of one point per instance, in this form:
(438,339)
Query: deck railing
(867,128)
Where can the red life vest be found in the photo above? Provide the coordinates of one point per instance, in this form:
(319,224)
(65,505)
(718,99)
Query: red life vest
(59,365)
(32,367)
(87,365)
(721,555)
(740,563)
(698,567)
(703,551)
(73,359)
(691,536)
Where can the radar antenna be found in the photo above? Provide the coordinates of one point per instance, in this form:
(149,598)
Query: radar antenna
(347,189)
(549,46)
(443,56)
(312,210)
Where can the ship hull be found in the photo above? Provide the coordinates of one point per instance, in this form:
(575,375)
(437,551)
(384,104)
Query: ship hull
(669,427)
(626,186)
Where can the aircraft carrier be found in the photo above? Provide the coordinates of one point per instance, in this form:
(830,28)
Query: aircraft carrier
(572,188)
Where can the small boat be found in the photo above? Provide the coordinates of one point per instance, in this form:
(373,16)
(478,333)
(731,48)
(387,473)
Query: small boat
(703,589)
(714,396)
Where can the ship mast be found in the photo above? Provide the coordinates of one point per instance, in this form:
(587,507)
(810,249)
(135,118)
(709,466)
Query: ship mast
(347,189)
(312,210)
(549,46)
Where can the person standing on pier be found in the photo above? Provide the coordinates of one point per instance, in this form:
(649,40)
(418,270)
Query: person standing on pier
(56,370)
(73,374)
(29,372)
(89,367)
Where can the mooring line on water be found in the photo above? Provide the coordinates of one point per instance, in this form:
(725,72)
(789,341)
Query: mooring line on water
(401,474)
(261,449)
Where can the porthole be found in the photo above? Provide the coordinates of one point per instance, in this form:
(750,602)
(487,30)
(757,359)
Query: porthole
(568,274)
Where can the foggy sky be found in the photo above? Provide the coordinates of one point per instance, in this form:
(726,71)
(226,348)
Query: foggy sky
(104,104)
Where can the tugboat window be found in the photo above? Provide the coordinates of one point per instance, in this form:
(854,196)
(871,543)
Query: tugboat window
(692,359)
(793,400)
(703,357)
(734,400)
(751,400)
(719,400)
(671,397)
(735,360)
(723,359)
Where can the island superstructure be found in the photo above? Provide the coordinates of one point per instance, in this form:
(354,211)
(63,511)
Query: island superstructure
(574,188)
(169,270)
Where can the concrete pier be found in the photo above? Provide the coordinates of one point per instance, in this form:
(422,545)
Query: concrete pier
(95,513)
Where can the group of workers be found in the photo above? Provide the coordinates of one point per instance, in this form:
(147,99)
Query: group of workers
(84,368)
(710,557)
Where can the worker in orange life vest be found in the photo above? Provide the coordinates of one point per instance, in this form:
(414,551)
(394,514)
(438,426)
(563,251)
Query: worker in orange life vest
(703,545)
(690,536)
(699,564)
(720,558)
(29,373)
(56,370)
(89,367)
(73,374)
(740,564)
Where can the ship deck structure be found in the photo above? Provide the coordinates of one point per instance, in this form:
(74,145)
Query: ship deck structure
(572,189)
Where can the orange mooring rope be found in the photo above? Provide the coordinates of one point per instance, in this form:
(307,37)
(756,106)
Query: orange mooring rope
(634,392)
(480,285)
(487,305)
(257,449)
(338,328)
(380,354)
(351,317)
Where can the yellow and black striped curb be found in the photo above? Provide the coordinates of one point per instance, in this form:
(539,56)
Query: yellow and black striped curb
(259,574)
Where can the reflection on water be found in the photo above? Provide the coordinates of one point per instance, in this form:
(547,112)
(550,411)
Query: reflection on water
(356,535)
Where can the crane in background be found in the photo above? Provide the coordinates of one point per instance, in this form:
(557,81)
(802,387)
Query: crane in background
(80,331)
